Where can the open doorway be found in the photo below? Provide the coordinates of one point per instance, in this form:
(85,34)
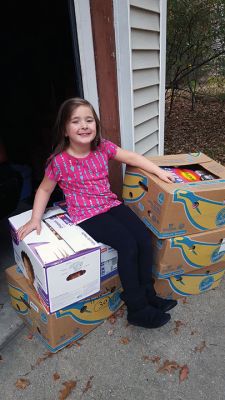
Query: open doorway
(40,69)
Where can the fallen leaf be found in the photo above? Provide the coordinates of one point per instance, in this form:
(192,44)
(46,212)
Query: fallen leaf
(200,347)
(78,344)
(56,376)
(68,387)
(110,332)
(184,371)
(30,336)
(88,385)
(70,345)
(169,366)
(178,325)
(112,319)
(153,359)
(22,383)
(46,355)
(120,313)
(124,340)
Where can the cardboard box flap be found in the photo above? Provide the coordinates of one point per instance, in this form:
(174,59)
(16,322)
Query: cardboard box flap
(180,159)
(57,229)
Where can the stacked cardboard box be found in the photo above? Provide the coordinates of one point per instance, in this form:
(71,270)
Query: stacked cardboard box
(61,286)
(186,221)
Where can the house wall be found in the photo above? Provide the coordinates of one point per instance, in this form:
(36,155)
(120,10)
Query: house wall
(124,75)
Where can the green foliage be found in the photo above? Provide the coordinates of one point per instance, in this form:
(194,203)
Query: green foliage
(195,41)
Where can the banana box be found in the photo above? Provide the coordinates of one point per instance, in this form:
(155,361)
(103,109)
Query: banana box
(183,285)
(183,254)
(69,324)
(62,263)
(177,209)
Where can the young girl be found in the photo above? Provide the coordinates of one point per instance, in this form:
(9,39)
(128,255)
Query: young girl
(79,165)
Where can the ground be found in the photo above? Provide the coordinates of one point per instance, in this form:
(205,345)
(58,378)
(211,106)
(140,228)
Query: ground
(200,130)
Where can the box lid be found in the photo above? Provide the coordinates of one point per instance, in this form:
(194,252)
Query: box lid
(180,159)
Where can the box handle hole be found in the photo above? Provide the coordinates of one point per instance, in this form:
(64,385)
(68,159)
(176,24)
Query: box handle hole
(25,302)
(143,186)
(75,275)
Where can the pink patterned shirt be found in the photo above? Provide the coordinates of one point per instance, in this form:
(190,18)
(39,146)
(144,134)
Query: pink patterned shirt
(85,181)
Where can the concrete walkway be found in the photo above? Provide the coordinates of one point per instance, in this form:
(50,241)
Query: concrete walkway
(121,361)
(118,360)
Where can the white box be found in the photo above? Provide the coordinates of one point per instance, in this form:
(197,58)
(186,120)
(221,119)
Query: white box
(109,261)
(62,263)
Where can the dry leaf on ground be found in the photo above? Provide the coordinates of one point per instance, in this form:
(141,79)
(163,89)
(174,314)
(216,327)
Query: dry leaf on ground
(124,340)
(178,325)
(70,345)
(112,319)
(56,376)
(68,387)
(29,336)
(120,313)
(168,366)
(153,359)
(88,385)
(200,347)
(46,355)
(184,372)
(22,383)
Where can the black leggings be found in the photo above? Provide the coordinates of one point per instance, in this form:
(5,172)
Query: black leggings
(121,229)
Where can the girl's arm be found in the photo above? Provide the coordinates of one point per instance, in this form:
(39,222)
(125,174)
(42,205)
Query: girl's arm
(137,160)
(40,202)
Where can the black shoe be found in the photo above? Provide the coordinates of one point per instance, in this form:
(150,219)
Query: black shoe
(148,317)
(162,304)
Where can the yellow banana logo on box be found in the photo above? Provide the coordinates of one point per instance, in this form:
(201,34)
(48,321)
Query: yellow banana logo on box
(93,311)
(19,299)
(202,213)
(135,187)
(198,254)
(188,284)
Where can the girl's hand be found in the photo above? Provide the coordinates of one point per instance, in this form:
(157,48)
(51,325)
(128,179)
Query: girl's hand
(165,176)
(29,227)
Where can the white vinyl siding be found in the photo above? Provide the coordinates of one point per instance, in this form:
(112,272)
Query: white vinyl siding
(140,30)
(145,65)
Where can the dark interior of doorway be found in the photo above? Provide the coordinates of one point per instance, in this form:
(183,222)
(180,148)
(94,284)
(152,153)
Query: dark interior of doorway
(40,69)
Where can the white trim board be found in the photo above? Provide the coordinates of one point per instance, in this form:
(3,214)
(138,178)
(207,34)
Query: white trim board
(124,72)
(86,50)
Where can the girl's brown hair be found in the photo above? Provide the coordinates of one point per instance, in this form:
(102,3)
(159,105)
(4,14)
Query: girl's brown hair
(64,114)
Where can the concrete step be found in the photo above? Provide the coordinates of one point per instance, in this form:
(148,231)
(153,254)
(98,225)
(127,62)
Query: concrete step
(10,323)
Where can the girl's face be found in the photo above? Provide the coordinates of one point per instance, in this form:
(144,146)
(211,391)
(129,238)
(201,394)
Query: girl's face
(81,128)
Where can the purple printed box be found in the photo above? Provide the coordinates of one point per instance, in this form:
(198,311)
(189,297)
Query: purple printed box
(62,263)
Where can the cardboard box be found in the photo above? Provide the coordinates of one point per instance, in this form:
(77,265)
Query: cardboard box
(177,209)
(62,263)
(197,282)
(59,329)
(183,254)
